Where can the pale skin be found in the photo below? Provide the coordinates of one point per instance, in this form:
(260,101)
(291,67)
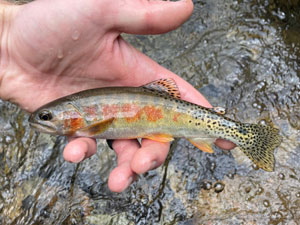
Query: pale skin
(51,48)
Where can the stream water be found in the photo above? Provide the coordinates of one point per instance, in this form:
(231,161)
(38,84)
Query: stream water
(242,55)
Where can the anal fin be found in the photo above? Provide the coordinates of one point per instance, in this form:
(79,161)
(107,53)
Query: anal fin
(204,144)
(160,137)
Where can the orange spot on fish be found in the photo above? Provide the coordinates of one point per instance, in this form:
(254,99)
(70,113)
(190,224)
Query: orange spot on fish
(153,114)
(175,117)
(73,121)
(134,118)
(126,108)
(110,111)
(76,123)
(90,110)
(129,109)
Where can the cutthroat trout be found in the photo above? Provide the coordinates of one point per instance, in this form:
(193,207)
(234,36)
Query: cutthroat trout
(154,111)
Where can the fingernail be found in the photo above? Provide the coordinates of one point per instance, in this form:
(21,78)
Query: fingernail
(79,159)
(130,179)
(153,165)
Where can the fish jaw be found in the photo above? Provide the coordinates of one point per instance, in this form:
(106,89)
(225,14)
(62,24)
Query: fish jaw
(43,128)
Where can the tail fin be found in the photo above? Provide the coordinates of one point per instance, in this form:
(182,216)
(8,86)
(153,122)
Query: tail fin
(259,143)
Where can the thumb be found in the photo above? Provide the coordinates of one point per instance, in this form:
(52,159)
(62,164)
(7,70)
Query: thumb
(152,17)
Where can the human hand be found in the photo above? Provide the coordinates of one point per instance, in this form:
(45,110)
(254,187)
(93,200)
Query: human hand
(54,48)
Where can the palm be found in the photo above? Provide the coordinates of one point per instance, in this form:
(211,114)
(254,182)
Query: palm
(61,49)
(65,54)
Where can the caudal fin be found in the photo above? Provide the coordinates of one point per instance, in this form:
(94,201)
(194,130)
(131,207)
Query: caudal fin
(259,144)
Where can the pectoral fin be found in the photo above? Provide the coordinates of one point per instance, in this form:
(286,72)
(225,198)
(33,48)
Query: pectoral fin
(160,137)
(204,144)
(96,128)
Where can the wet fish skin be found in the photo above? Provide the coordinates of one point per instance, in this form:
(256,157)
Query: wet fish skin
(153,111)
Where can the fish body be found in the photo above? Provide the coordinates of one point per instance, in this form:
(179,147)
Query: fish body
(153,111)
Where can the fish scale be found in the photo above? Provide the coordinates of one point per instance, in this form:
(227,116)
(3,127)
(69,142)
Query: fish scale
(154,111)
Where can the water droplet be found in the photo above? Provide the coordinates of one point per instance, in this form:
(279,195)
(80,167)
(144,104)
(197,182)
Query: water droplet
(276,216)
(230,175)
(266,203)
(213,166)
(75,35)
(255,167)
(45,213)
(144,199)
(207,185)
(259,191)
(298,195)
(281,176)
(8,139)
(60,54)
(261,84)
(263,122)
(219,187)
(249,198)
(247,189)
(281,15)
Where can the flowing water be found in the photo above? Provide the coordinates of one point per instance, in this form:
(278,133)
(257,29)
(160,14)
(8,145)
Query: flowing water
(242,55)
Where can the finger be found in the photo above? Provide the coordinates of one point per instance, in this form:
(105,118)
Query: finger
(122,176)
(79,149)
(224,144)
(151,155)
(150,17)
(125,149)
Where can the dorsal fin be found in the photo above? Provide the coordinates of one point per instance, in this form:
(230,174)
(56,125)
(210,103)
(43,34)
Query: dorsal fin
(167,85)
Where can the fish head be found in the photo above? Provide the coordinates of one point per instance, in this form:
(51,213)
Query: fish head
(53,118)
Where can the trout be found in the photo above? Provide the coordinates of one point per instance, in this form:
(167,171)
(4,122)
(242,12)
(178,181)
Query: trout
(154,111)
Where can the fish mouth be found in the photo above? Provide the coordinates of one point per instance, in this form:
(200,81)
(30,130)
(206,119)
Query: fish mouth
(43,128)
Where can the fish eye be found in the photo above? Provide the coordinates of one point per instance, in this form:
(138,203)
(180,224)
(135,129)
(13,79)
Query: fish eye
(45,116)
